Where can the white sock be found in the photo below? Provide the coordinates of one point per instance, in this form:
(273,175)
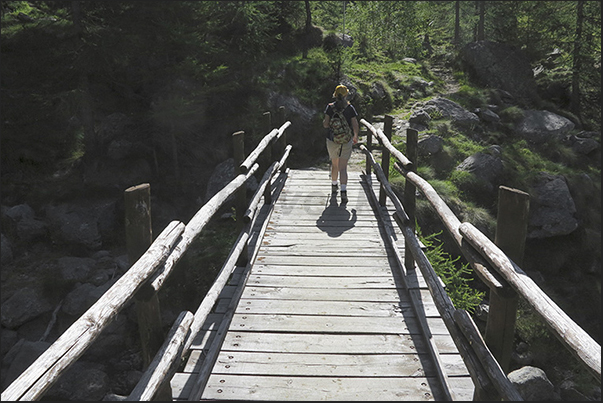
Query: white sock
(344,188)
(334,183)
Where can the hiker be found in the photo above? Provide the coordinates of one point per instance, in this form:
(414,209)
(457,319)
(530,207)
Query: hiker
(342,122)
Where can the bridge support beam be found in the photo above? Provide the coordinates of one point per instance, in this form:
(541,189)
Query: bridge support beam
(238,146)
(412,139)
(139,237)
(511,231)
(385,154)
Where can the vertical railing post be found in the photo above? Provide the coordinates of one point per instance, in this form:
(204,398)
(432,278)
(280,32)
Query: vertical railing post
(387,130)
(412,139)
(268,156)
(369,146)
(511,230)
(283,139)
(238,147)
(139,236)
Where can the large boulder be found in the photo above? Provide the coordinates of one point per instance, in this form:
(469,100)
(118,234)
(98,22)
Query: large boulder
(443,107)
(24,305)
(500,66)
(488,168)
(532,384)
(552,208)
(539,126)
(222,175)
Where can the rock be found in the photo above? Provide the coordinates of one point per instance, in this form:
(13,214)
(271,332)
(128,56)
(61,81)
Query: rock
(583,146)
(7,250)
(24,305)
(74,226)
(487,167)
(82,381)
(449,109)
(419,120)
(221,176)
(8,338)
(78,300)
(75,268)
(541,126)
(498,65)
(532,383)
(568,392)
(487,115)
(22,224)
(552,209)
(430,145)
(20,357)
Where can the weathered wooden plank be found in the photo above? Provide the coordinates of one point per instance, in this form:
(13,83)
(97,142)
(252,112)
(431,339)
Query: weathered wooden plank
(333,324)
(321,388)
(322,236)
(339,365)
(336,294)
(339,308)
(414,280)
(324,260)
(272,245)
(337,252)
(350,271)
(321,282)
(341,343)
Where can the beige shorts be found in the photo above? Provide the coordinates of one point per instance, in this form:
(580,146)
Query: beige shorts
(339,150)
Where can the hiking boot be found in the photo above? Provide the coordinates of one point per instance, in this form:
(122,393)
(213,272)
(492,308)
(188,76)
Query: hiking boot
(344,196)
(334,188)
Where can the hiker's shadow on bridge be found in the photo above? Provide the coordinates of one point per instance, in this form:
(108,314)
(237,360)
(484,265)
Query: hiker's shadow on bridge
(336,218)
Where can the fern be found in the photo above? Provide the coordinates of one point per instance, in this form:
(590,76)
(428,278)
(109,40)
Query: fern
(456,277)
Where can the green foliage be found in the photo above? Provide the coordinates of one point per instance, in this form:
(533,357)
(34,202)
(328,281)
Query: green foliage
(512,114)
(456,276)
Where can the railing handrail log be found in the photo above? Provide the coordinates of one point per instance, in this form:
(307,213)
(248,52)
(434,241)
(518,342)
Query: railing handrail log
(268,175)
(216,288)
(483,353)
(166,361)
(43,372)
(580,343)
(452,223)
(255,154)
(281,130)
(386,186)
(197,223)
(442,300)
(386,143)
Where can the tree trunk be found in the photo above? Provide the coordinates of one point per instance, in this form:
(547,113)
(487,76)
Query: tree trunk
(86,112)
(575,100)
(307,32)
(480,24)
(457,24)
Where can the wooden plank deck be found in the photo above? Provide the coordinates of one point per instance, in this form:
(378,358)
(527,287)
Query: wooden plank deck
(324,314)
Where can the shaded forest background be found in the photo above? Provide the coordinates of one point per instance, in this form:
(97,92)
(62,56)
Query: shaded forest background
(176,79)
(188,74)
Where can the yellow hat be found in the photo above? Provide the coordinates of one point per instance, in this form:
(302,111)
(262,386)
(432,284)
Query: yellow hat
(340,90)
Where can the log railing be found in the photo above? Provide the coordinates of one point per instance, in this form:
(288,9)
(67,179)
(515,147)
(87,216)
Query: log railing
(499,271)
(148,274)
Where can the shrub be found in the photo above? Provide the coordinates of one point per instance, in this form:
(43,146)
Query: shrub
(456,276)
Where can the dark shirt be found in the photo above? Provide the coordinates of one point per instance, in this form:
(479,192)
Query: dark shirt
(349,112)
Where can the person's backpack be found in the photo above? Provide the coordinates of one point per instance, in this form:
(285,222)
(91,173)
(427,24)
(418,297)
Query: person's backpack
(342,133)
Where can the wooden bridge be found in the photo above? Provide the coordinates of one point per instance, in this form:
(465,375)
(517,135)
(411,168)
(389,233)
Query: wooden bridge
(319,300)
